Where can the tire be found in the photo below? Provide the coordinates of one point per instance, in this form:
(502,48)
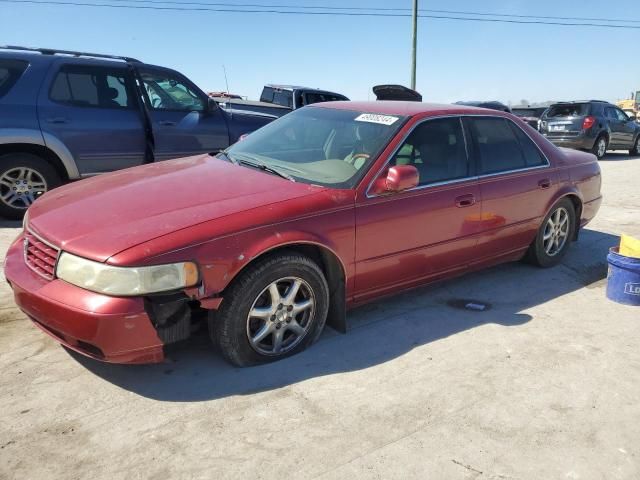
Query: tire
(539,252)
(252,292)
(635,150)
(23,178)
(600,146)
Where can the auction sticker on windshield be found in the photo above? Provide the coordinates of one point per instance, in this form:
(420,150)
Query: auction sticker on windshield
(373,118)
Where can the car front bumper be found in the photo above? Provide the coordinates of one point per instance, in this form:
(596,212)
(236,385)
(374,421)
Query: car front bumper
(111,329)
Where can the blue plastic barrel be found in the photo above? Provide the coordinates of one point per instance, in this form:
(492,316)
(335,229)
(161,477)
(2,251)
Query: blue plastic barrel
(623,280)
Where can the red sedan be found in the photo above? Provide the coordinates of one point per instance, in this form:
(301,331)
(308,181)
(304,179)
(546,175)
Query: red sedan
(328,207)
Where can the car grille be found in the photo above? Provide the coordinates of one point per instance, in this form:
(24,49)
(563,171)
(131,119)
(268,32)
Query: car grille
(40,256)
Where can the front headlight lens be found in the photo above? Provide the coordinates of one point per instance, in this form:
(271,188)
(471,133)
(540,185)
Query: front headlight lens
(125,281)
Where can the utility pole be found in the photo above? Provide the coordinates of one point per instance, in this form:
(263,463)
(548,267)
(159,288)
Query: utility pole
(414,40)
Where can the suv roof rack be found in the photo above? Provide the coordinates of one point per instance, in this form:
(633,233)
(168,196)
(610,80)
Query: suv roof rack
(52,51)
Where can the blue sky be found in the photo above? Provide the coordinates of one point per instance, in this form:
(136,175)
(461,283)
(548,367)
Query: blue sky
(456,60)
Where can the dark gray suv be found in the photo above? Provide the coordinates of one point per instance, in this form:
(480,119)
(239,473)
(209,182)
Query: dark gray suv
(591,125)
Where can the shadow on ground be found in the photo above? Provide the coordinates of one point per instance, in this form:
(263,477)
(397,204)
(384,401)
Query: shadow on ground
(379,332)
(618,156)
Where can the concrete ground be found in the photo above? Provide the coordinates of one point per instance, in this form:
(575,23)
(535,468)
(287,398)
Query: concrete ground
(544,385)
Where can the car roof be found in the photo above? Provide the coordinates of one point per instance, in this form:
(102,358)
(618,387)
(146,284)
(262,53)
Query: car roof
(393,107)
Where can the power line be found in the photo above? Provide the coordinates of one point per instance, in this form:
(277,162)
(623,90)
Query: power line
(321,13)
(374,9)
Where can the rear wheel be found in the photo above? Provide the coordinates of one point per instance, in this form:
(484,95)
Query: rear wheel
(554,235)
(635,150)
(600,146)
(23,178)
(276,308)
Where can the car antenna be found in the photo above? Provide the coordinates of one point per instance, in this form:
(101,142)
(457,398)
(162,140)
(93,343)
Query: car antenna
(226,81)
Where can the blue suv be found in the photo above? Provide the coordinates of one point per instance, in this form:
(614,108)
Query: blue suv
(68,115)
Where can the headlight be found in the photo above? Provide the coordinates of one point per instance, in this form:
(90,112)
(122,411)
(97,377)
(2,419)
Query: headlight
(125,281)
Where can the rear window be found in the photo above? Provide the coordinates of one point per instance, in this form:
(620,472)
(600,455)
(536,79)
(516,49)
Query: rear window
(568,110)
(528,112)
(10,72)
(314,97)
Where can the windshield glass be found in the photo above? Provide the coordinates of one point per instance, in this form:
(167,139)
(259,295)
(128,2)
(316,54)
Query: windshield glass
(568,110)
(321,146)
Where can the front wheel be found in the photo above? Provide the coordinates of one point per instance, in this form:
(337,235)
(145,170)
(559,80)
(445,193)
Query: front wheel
(554,235)
(276,308)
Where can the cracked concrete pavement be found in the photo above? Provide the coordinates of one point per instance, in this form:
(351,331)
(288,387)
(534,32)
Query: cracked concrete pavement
(544,384)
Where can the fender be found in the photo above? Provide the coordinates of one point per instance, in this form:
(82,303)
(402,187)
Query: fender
(36,137)
(63,153)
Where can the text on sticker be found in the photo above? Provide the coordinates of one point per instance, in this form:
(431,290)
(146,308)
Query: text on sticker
(373,118)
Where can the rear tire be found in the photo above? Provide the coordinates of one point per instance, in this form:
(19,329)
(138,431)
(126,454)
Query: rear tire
(600,146)
(264,318)
(635,150)
(24,177)
(554,235)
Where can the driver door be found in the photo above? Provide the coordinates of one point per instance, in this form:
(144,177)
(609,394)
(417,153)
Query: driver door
(181,121)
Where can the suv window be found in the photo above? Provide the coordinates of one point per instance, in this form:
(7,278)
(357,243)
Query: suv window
(437,149)
(10,71)
(502,147)
(267,95)
(170,92)
(86,86)
(621,115)
(568,110)
(610,112)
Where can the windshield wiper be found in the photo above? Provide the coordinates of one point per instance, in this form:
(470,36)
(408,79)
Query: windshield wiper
(261,166)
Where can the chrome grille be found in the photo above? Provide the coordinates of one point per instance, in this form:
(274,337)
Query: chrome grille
(40,256)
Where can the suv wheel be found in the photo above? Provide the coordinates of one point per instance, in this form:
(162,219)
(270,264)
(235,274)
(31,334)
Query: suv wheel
(554,235)
(23,178)
(600,147)
(275,309)
(636,147)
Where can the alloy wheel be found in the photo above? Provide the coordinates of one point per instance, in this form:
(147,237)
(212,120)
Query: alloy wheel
(556,232)
(21,186)
(281,316)
(602,147)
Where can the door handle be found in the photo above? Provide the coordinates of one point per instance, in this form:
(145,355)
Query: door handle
(544,183)
(167,123)
(57,120)
(465,201)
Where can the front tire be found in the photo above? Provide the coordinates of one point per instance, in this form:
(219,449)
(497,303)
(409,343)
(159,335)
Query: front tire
(600,147)
(23,178)
(635,150)
(274,309)
(554,235)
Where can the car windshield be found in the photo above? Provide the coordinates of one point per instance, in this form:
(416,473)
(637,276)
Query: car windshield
(568,110)
(318,145)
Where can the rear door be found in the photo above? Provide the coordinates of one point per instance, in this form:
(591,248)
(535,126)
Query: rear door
(617,127)
(93,111)
(627,129)
(516,183)
(180,117)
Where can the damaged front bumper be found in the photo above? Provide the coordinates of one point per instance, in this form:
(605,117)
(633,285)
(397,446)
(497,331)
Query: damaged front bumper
(110,329)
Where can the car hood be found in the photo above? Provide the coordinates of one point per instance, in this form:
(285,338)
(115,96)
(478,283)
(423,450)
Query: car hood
(101,216)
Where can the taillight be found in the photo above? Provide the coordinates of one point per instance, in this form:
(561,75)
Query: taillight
(588,122)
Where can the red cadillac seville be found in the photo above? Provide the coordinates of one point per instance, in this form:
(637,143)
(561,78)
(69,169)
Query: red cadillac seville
(328,207)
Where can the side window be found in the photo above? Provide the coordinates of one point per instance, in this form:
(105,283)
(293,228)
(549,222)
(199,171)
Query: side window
(267,95)
(98,87)
(611,113)
(284,98)
(169,92)
(498,147)
(532,155)
(10,71)
(437,149)
(622,116)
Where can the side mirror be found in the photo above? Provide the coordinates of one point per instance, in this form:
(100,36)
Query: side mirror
(212,105)
(399,178)
(633,118)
